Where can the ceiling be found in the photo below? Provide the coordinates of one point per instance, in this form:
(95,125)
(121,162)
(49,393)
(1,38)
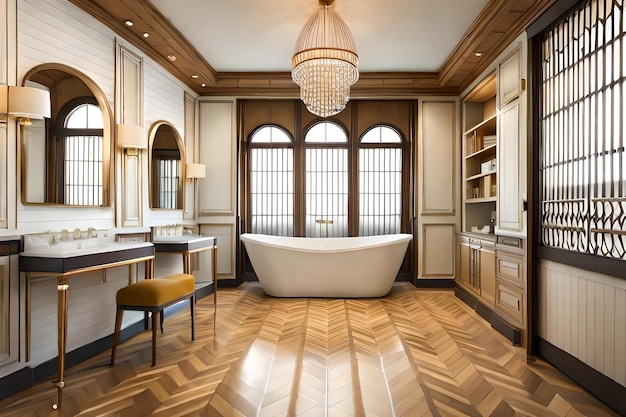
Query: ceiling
(244,48)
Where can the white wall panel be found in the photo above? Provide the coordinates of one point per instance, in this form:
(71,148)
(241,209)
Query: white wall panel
(438,185)
(164,97)
(56,31)
(164,100)
(217,151)
(438,247)
(583,313)
(225,234)
(437,153)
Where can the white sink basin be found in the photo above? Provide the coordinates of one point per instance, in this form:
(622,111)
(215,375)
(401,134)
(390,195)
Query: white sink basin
(45,245)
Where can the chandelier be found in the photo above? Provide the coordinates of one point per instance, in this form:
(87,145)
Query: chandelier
(325,62)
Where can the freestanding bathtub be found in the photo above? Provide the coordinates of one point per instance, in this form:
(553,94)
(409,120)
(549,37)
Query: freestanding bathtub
(347,267)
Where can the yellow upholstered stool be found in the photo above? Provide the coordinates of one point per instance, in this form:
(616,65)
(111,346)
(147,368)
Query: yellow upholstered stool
(153,295)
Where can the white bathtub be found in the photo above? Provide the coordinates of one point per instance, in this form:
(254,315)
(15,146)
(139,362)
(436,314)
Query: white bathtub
(326,267)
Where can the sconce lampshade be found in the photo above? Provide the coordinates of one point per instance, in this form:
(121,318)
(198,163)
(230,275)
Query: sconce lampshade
(196,171)
(29,102)
(4,92)
(131,136)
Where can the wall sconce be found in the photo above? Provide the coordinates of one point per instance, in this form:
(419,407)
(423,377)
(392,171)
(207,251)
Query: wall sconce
(24,103)
(195,172)
(131,137)
(27,103)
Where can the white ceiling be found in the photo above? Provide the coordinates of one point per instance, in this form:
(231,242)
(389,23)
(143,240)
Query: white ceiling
(259,35)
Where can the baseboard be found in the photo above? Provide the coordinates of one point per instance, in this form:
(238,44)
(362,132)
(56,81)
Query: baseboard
(604,388)
(230,283)
(503,327)
(16,382)
(434,283)
(512,333)
(466,297)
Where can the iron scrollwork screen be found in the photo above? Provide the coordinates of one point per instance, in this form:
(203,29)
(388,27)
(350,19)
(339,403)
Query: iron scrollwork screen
(582,158)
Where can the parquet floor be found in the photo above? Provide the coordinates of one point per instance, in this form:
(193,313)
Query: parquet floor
(412,353)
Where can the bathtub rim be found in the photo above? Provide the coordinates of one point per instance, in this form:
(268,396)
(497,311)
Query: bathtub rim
(378,241)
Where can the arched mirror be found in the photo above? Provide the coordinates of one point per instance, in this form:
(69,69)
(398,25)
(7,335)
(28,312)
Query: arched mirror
(66,160)
(166,166)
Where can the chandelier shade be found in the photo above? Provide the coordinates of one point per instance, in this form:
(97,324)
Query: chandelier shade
(325,63)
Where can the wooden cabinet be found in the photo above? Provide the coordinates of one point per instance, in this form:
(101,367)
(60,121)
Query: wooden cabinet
(9,310)
(509,77)
(492,275)
(478,267)
(510,293)
(511,155)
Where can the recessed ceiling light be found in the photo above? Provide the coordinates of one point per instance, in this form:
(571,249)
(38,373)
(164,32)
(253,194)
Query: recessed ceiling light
(171,58)
(478,54)
(129,23)
(203,85)
(194,76)
(146,34)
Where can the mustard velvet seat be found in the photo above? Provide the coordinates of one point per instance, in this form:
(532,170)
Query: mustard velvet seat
(154,295)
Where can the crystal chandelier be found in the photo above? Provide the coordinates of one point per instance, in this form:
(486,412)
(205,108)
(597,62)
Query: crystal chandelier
(325,62)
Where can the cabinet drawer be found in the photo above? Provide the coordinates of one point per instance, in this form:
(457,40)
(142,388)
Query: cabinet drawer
(511,301)
(510,268)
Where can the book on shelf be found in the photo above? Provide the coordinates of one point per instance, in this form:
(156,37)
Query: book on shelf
(487,186)
(489,140)
(470,145)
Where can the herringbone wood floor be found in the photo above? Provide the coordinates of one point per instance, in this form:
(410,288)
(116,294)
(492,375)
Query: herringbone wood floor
(412,353)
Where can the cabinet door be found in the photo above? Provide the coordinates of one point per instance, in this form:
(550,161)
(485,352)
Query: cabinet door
(509,78)
(8,313)
(466,265)
(510,174)
(487,271)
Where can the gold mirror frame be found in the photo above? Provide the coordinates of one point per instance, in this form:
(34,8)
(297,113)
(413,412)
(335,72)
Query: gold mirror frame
(107,127)
(154,128)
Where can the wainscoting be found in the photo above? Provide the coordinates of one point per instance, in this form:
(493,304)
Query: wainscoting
(582,314)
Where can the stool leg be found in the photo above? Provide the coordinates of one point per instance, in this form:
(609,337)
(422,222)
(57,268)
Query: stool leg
(154,335)
(192,302)
(116,334)
(162,317)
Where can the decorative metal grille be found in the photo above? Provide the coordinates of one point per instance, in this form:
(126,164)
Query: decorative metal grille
(271,182)
(168,183)
(380,182)
(583,165)
(327,180)
(271,191)
(83,170)
(326,185)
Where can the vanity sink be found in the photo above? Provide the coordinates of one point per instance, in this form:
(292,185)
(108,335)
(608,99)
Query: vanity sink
(55,252)
(182,243)
(47,245)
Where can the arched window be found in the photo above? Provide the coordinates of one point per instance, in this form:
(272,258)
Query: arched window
(80,140)
(326,181)
(271,182)
(380,181)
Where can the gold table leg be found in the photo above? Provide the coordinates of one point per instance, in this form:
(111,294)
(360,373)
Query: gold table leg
(63,297)
(214,273)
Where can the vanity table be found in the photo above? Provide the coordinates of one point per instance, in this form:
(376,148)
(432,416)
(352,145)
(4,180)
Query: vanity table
(186,245)
(69,260)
